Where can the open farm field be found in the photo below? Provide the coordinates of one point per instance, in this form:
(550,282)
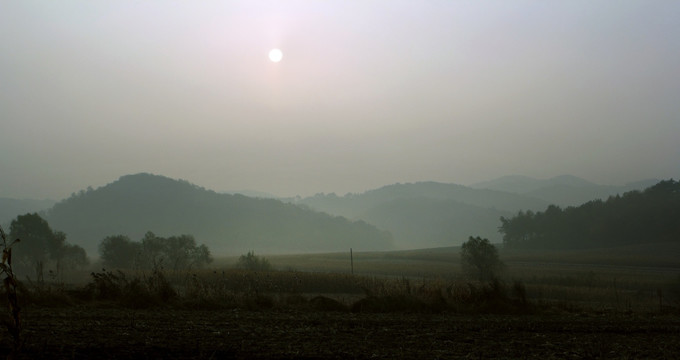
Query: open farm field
(114,333)
(404,304)
(640,277)
(442,261)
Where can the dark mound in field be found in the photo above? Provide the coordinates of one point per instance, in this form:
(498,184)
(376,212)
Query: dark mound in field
(390,304)
(322,303)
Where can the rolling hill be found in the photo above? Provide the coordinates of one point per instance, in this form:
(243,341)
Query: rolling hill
(565,190)
(428,214)
(227,224)
(426,222)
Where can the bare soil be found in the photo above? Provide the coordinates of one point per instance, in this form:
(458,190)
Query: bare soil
(89,332)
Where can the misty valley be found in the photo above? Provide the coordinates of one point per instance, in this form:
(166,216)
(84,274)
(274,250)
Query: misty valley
(152,267)
(329,179)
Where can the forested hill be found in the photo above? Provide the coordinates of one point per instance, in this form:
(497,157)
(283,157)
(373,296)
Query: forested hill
(227,224)
(649,216)
(428,214)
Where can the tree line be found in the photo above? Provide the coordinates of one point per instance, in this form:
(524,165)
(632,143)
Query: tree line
(174,252)
(636,217)
(41,249)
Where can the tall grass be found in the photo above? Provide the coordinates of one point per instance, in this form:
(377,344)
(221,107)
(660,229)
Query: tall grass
(252,290)
(410,281)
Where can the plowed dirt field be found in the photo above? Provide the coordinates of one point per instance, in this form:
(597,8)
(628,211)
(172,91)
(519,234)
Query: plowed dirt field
(96,333)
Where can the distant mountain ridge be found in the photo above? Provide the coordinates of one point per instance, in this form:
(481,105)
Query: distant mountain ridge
(564,190)
(428,214)
(227,224)
(432,214)
(353,204)
(427,222)
(422,214)
(252,193)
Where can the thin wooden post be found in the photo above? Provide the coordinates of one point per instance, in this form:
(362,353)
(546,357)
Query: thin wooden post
(351,260)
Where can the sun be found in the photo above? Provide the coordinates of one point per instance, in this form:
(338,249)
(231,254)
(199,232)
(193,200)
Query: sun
(275,55)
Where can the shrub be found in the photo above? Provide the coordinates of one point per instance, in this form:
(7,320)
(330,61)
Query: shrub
(160,286)
(519,291)
(134,293)
(479,259)
(323,303)
(252,262)
(489,298)
(106,285)
(257,301)
(391,303)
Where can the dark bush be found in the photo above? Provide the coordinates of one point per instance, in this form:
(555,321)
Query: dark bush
(250,261)
(391,303)
(491,298)
(323,303)
(295,300)
(106,285)
(257,302)
(135,293)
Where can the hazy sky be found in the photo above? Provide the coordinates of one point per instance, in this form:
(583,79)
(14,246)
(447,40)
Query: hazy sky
(368,93)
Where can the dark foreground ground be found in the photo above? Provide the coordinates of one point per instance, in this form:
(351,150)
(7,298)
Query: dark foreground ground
(96,333)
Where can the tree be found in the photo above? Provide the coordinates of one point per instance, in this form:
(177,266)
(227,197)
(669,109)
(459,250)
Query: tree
(201,255)
(181,252)
(119,251)
(177,252)
(152,250)
(73,257)
(36,236)
(479,258)
(40,245)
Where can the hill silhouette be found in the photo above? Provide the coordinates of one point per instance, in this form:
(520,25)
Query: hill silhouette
(426,222)
(428,214)
(564,190)
(636,217)
(227,224)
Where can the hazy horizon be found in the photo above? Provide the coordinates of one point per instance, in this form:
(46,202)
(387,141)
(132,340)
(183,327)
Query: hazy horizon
(366,94)
(263,193)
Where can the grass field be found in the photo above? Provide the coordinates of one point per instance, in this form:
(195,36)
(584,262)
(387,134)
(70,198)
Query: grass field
(628,278)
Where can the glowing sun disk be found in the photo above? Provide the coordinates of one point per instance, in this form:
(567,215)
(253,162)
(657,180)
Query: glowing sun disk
(275,55)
